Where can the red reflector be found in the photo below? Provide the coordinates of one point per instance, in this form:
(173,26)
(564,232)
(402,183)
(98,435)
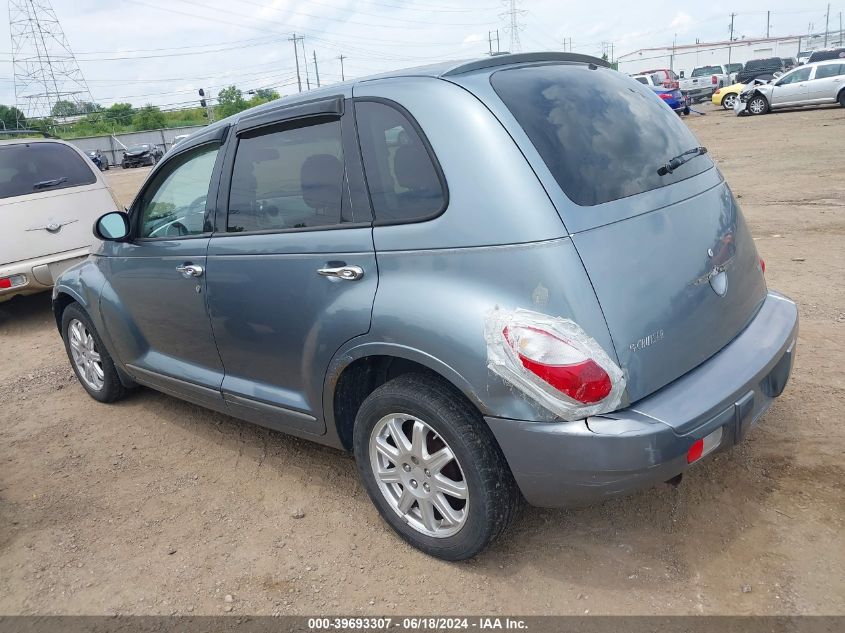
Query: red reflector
(695,451)
(763,265)
(5,282)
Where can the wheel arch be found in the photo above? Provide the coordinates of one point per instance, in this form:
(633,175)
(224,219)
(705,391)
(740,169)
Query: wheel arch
(357,372)
(62,298)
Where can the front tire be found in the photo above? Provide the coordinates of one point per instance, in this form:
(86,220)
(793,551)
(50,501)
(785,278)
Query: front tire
(432,467)
(757,105)
(91,363)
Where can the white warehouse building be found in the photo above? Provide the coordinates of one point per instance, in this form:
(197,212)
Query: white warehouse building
(688,56)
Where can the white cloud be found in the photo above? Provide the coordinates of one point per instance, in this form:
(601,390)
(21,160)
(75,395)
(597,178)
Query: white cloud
(681,22)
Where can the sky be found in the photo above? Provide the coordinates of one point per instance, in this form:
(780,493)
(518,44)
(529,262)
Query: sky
(162,51)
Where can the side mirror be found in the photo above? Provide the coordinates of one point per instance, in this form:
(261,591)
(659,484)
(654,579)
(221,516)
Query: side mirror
(112,227)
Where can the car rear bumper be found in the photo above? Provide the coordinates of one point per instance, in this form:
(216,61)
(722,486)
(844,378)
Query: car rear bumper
(40,272)
(575,463)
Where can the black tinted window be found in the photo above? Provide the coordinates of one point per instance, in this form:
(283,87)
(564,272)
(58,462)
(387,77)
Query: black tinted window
(36,167)
(818,56)
(403,180)
(288,179)
(602,136)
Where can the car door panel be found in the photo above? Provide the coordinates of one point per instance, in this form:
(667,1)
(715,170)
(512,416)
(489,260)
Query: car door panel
(826,83)
(276,319)
(797,92)
(154,311)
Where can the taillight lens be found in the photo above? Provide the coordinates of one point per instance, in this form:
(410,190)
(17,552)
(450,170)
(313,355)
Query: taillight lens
(559,363)
(12,282)
(665,96)
(714,79)
(763,265)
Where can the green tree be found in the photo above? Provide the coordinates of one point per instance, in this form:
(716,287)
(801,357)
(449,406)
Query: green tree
(64,108)
(266,94)
(87,107)
(231,101)
(118,113)
(12,117)
(149,117)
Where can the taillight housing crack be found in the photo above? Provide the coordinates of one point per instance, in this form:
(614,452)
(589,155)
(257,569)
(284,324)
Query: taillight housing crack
(553,361)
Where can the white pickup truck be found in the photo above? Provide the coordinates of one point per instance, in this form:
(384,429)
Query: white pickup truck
(704,81)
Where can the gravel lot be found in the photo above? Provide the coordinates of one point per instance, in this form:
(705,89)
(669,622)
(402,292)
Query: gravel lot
(155,506)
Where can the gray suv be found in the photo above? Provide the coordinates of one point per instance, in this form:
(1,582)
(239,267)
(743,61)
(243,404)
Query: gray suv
(515,278)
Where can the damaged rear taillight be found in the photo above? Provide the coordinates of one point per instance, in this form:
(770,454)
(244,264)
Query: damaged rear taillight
(553,361)
(557,362)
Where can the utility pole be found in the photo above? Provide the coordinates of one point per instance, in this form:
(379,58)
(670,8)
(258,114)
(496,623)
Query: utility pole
(768,20)
(498,45)
(731,38)
(826,21)
(514,26)
(316,70)
(293,39)
(305,63)
(490,43)
(342,76)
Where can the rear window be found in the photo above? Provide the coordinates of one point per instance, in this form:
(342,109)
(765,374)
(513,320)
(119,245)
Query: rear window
(706,70)
(35,167)
(756,64)
(830,70)
(601,135)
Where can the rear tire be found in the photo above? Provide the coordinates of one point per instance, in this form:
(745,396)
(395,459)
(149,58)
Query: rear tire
(728,101)
(475,484)
(85,347)
(841,98)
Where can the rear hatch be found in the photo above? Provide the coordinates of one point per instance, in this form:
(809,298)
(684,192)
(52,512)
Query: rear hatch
(49,199)
(671,260)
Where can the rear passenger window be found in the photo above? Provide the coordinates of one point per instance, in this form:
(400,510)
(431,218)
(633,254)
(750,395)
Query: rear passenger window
(288,179)
(404,183)
(829,70)
(44,166)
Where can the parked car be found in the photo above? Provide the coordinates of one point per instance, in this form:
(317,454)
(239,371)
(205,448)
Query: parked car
(650,79)
(594,319)
(703,82)
(733,69)
(825,54)
(50,195)
(139,155)
(668,78)
(99,159)
(672,98)
(760,69)
(727,96)
(814,83)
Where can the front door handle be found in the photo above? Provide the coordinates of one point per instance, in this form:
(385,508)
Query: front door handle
(349,273)
(190,271)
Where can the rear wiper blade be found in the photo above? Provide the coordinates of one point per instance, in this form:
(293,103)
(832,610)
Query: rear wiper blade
(680,159)
(49,183)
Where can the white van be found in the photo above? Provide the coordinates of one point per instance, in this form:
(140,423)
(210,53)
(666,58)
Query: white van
(50,196)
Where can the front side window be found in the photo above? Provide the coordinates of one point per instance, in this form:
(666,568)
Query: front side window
(288,179)
(802,74)
(38,167)
(174,205)
(602,136)
(706,70)
(403,180)
(642,79)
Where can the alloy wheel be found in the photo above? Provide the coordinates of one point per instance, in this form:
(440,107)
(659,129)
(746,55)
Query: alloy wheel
(85,356)
(729,101)
(419,475)
(757,105)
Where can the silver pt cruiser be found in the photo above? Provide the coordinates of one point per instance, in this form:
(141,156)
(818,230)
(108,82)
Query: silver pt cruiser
(514,278)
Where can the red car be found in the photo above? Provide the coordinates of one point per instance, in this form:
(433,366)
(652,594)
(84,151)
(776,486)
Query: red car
(668,77)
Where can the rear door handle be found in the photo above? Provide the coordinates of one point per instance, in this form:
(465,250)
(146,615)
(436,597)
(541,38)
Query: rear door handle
(349,273)
(190,270)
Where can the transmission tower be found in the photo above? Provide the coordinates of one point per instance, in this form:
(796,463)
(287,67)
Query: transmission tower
(514,27)
(44,67)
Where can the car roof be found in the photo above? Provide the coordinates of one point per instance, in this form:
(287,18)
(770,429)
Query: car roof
(18,141)
(438,70)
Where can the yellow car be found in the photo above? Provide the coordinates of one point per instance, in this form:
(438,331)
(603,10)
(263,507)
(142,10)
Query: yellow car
(726,96)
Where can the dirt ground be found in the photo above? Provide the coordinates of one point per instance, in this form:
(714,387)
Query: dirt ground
(155,506)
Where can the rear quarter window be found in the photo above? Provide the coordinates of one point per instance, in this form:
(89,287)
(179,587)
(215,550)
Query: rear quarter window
(35,167)
(602,135)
